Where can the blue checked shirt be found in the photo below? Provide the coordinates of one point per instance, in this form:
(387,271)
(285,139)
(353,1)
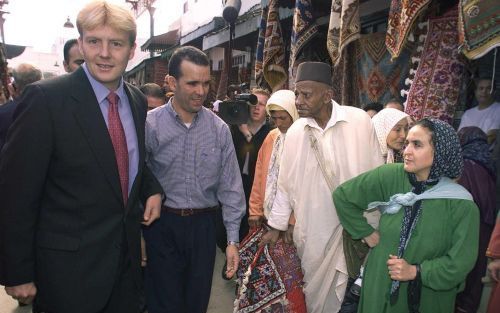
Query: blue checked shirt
(196,166)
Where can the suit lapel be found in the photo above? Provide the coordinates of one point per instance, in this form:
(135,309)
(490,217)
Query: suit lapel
(135,102)
(90,119)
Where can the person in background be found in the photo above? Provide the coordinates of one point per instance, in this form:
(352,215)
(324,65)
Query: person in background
(344,140)
(190,151)
(73,173)
(247,140)
(24,74)
(486,115)
(281,108)
(72,56)
(154,94)
(427,238)
(373,108)
(391,126)
(395,104)
(478,177)
(493,252)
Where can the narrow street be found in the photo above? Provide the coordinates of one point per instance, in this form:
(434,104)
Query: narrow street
(221,300)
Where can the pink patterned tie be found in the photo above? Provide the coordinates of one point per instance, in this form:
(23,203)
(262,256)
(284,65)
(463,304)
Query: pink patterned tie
(119,141)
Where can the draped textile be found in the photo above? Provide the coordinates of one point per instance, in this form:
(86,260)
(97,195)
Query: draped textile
(380,79)
(259,55)
(344,27)
(345,77)
(436,87)
(269,280)
(303,29)
(274,50)
(272,174)
(402,15)
(479,26)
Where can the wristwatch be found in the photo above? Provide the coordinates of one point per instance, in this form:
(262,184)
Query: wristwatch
(234,243)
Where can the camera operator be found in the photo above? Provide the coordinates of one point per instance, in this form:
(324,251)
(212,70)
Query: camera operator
(247,139)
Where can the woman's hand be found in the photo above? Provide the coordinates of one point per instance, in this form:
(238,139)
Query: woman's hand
(372,239)
(400,270)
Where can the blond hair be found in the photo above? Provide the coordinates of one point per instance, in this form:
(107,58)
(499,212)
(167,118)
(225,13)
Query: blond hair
(100,13)
(261,91)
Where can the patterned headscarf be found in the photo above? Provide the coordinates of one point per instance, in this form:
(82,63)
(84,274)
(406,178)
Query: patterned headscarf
(384,121)
(475,147)
(448,161)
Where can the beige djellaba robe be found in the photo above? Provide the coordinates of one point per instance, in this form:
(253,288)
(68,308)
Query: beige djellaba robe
(349,147)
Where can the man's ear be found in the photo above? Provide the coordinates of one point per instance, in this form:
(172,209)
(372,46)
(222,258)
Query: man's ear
(172,82)
(328,95)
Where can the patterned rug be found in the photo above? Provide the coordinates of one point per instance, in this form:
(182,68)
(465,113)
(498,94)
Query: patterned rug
(402,15)
(270,281)
(479,26)
(345,77)
(435,88)
(274,50)
(344,27)
(259,55)
(380,79)
(303,29)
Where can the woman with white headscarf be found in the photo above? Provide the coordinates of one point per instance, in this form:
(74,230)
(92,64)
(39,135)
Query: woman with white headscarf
(265,265)
(391,126)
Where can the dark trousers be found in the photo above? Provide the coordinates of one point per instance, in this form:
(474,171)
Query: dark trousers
(125,296)
(181,257)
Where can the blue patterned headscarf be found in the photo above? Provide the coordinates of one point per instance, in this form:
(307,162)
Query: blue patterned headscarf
(475,147)
(448,161)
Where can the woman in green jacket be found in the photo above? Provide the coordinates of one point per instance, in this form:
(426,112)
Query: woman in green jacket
(428,232)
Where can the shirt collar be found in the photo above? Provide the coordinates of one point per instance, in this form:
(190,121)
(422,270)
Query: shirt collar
(101,91)
(338,114)
(170,109)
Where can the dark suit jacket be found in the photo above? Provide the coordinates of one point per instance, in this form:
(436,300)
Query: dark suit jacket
(6,113)
(62,218)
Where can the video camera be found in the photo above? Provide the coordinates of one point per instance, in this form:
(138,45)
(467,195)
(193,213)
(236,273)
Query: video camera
(236,112)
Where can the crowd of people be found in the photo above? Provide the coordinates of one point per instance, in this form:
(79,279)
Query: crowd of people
(115,198)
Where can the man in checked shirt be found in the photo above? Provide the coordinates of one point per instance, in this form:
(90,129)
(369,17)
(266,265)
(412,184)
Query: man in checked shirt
(191,153)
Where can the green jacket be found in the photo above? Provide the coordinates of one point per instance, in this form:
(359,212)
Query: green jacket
(444,241)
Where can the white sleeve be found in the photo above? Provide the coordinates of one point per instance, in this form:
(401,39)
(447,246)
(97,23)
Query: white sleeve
(280,213)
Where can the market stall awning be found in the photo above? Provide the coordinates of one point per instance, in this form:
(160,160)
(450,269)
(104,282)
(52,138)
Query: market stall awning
(161,42)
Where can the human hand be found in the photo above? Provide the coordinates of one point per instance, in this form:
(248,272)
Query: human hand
(271,237)
(152,209)
(288,237)
(400,270)
(245,131)
(494,269)
(372,239)
(232,259)
(24,293)
(255,220)
(491,136)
